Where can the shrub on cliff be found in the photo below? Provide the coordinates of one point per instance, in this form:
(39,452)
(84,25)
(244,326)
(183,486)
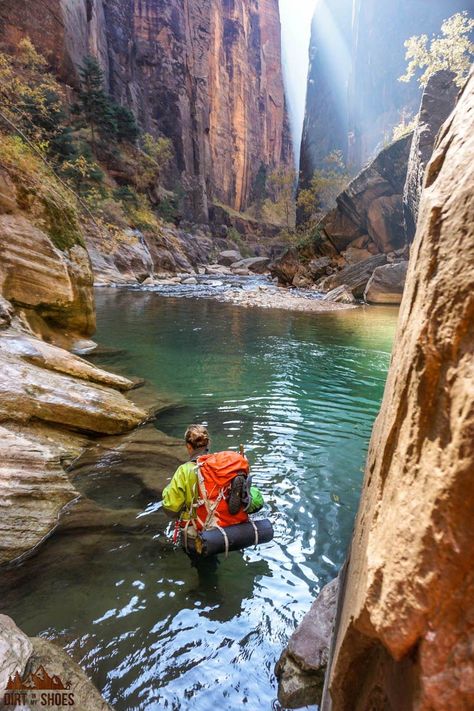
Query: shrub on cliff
(451,50)
(33,102)
(48,203)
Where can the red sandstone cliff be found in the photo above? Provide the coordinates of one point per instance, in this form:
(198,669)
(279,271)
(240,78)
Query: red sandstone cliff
(406,625)
(206,73)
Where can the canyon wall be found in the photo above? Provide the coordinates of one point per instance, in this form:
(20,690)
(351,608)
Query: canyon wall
(205,73)
(354,98)
(405,627)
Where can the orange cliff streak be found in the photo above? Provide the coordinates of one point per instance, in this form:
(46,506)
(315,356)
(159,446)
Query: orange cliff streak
(205,73)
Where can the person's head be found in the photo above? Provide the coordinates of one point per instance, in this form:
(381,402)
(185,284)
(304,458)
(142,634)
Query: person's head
(196,437)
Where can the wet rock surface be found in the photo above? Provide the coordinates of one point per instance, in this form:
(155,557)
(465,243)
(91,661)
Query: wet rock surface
(302,666)
(405,635)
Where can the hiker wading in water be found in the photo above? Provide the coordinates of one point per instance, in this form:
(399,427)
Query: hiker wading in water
(210,490)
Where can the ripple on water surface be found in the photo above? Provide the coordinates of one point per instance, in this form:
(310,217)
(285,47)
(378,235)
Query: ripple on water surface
(301,391)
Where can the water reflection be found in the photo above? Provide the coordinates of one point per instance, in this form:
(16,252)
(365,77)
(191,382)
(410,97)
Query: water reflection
(301,391)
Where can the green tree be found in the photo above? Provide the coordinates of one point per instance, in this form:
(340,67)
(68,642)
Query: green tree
(127,128)
(94,105)
(452,50)
(326,184)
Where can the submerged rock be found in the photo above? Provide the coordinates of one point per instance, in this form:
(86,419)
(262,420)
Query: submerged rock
(302,666)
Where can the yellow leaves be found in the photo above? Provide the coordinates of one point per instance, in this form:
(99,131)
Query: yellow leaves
(152,159)
(403,129)
(28,55)
(451,50)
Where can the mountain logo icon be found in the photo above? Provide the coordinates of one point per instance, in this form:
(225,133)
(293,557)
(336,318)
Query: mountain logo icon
(40,679)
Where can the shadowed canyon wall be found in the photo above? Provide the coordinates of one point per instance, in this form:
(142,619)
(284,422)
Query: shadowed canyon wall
(357,54)
(206,73)
(406,629)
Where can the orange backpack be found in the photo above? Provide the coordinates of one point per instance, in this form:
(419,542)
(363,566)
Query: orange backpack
(215,473)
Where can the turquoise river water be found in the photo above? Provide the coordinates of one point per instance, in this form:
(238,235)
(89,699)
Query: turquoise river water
(301,391)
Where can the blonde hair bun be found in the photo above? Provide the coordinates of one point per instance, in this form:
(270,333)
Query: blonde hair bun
(197,436)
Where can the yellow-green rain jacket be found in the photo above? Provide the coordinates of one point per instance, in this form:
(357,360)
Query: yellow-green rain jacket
(182,490)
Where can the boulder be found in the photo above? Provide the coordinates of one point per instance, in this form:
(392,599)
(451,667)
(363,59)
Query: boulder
(386,284)
(359,207)
(353,255)
(302,666)
(286,266)
(340,231)
(15,650)
(439,99)
(258,265)
(404,638)
(340,295)
(56,662)
(21,657)
(385,223)
(319,267)
(228,257)
(356,276)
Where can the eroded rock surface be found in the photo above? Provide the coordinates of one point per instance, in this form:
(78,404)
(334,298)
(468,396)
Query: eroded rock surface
(406,630)
(439,99)
(44,389)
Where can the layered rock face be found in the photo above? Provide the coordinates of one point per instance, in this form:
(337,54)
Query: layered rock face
(405,632)
(354,98)
(50,288)
(207,74)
